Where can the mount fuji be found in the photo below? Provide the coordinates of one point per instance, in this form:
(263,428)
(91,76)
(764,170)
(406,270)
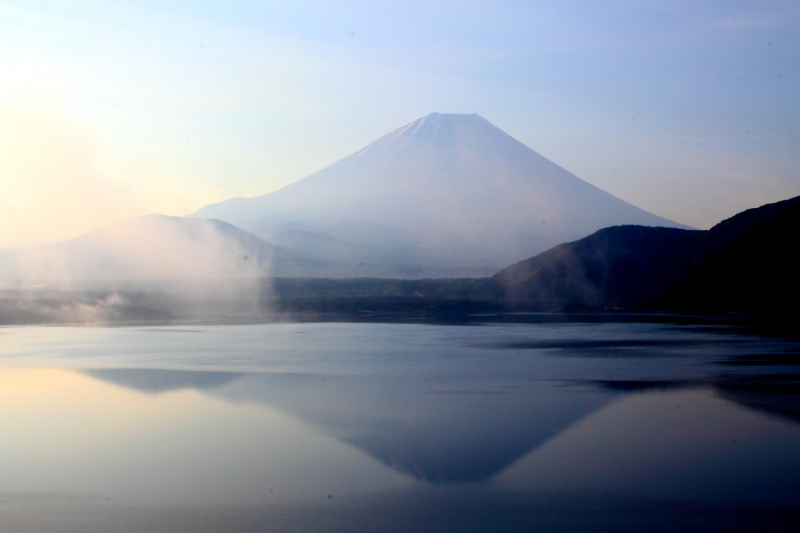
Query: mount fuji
(446,195)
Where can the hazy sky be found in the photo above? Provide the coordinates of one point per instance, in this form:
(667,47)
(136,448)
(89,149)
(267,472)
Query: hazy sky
(109,110)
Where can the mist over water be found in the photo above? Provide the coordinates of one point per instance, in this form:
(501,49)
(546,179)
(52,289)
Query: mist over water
(147,268)
(153,247)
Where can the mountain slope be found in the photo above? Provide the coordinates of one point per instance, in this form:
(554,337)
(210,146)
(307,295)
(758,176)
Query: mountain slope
(614,264)
(747,263)
(460,190)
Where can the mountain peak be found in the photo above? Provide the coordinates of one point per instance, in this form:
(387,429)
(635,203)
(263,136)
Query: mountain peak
(454,184)
(435,121)
(436,131)
(451,117)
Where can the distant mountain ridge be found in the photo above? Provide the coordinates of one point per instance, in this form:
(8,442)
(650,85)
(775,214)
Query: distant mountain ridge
(746,264)
(446,191)
(147,247)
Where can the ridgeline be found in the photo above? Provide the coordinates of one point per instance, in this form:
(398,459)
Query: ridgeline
(746,264)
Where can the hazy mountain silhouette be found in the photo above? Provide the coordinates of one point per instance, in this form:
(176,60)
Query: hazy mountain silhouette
(745,264)
(614,264)
(447,192)
(148,247)
(620,265)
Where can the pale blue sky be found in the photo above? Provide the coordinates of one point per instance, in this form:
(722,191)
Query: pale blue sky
(112,109)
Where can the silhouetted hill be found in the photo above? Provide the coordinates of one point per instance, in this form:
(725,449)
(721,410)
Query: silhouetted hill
(747,263)
(616,264)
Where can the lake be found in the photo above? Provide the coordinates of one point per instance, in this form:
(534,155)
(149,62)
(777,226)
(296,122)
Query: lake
(545,423)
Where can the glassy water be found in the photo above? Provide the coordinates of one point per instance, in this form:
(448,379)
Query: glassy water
(558,426)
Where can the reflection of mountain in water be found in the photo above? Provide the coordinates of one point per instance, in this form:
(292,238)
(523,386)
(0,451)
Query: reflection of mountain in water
(156,381)
(446,431)
(440,431)
(776,395)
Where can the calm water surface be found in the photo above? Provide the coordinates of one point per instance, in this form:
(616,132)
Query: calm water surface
(559,426)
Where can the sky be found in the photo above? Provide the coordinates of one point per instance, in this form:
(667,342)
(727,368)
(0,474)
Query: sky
(110,110)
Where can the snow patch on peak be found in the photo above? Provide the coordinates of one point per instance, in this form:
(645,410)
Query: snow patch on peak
(419,123)
(422,131)
(402,130)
